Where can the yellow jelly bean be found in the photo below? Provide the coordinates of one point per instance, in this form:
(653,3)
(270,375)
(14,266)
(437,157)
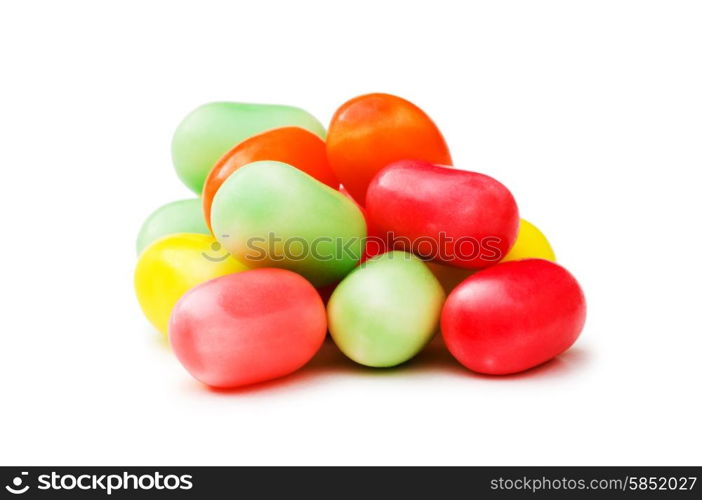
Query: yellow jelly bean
(174,264)
(531,244)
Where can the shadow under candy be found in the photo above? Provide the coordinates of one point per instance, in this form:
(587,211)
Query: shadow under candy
(434,359)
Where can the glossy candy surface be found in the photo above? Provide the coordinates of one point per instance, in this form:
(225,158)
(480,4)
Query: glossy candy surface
(513,316)
(270,214)
(211,130)
(292,145)
(461,218)
(386,310)
(373,130)
(171,266)
(183,216)
(531,244)
(248,327)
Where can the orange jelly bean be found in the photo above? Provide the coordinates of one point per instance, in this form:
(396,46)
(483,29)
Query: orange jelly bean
(292,145)
(371,131)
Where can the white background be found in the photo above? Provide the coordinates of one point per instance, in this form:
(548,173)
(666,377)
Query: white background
(591,112)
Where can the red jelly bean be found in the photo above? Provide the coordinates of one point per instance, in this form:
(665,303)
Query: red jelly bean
(513,316)
(461,218)
(370,131)
(248,327)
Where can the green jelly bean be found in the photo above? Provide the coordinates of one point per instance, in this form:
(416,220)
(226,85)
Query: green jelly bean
(270,214)
(211,130)
(385,311)
(183,216)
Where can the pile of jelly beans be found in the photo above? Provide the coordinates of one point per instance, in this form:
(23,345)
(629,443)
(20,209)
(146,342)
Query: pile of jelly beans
(246,280)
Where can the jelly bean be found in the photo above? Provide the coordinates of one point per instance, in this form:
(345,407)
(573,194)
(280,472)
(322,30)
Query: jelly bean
(292,145)
(460,218)
(247,327)
(184,216)
(270,214)
(513,316)
(531,244)
(375,243)
(385,311)
(373,130)
(171,266)
(213,129)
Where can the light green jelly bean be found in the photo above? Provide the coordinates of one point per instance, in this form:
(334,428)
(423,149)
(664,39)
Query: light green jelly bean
(270,214)
(183,216)
(384,312)
(211,130)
